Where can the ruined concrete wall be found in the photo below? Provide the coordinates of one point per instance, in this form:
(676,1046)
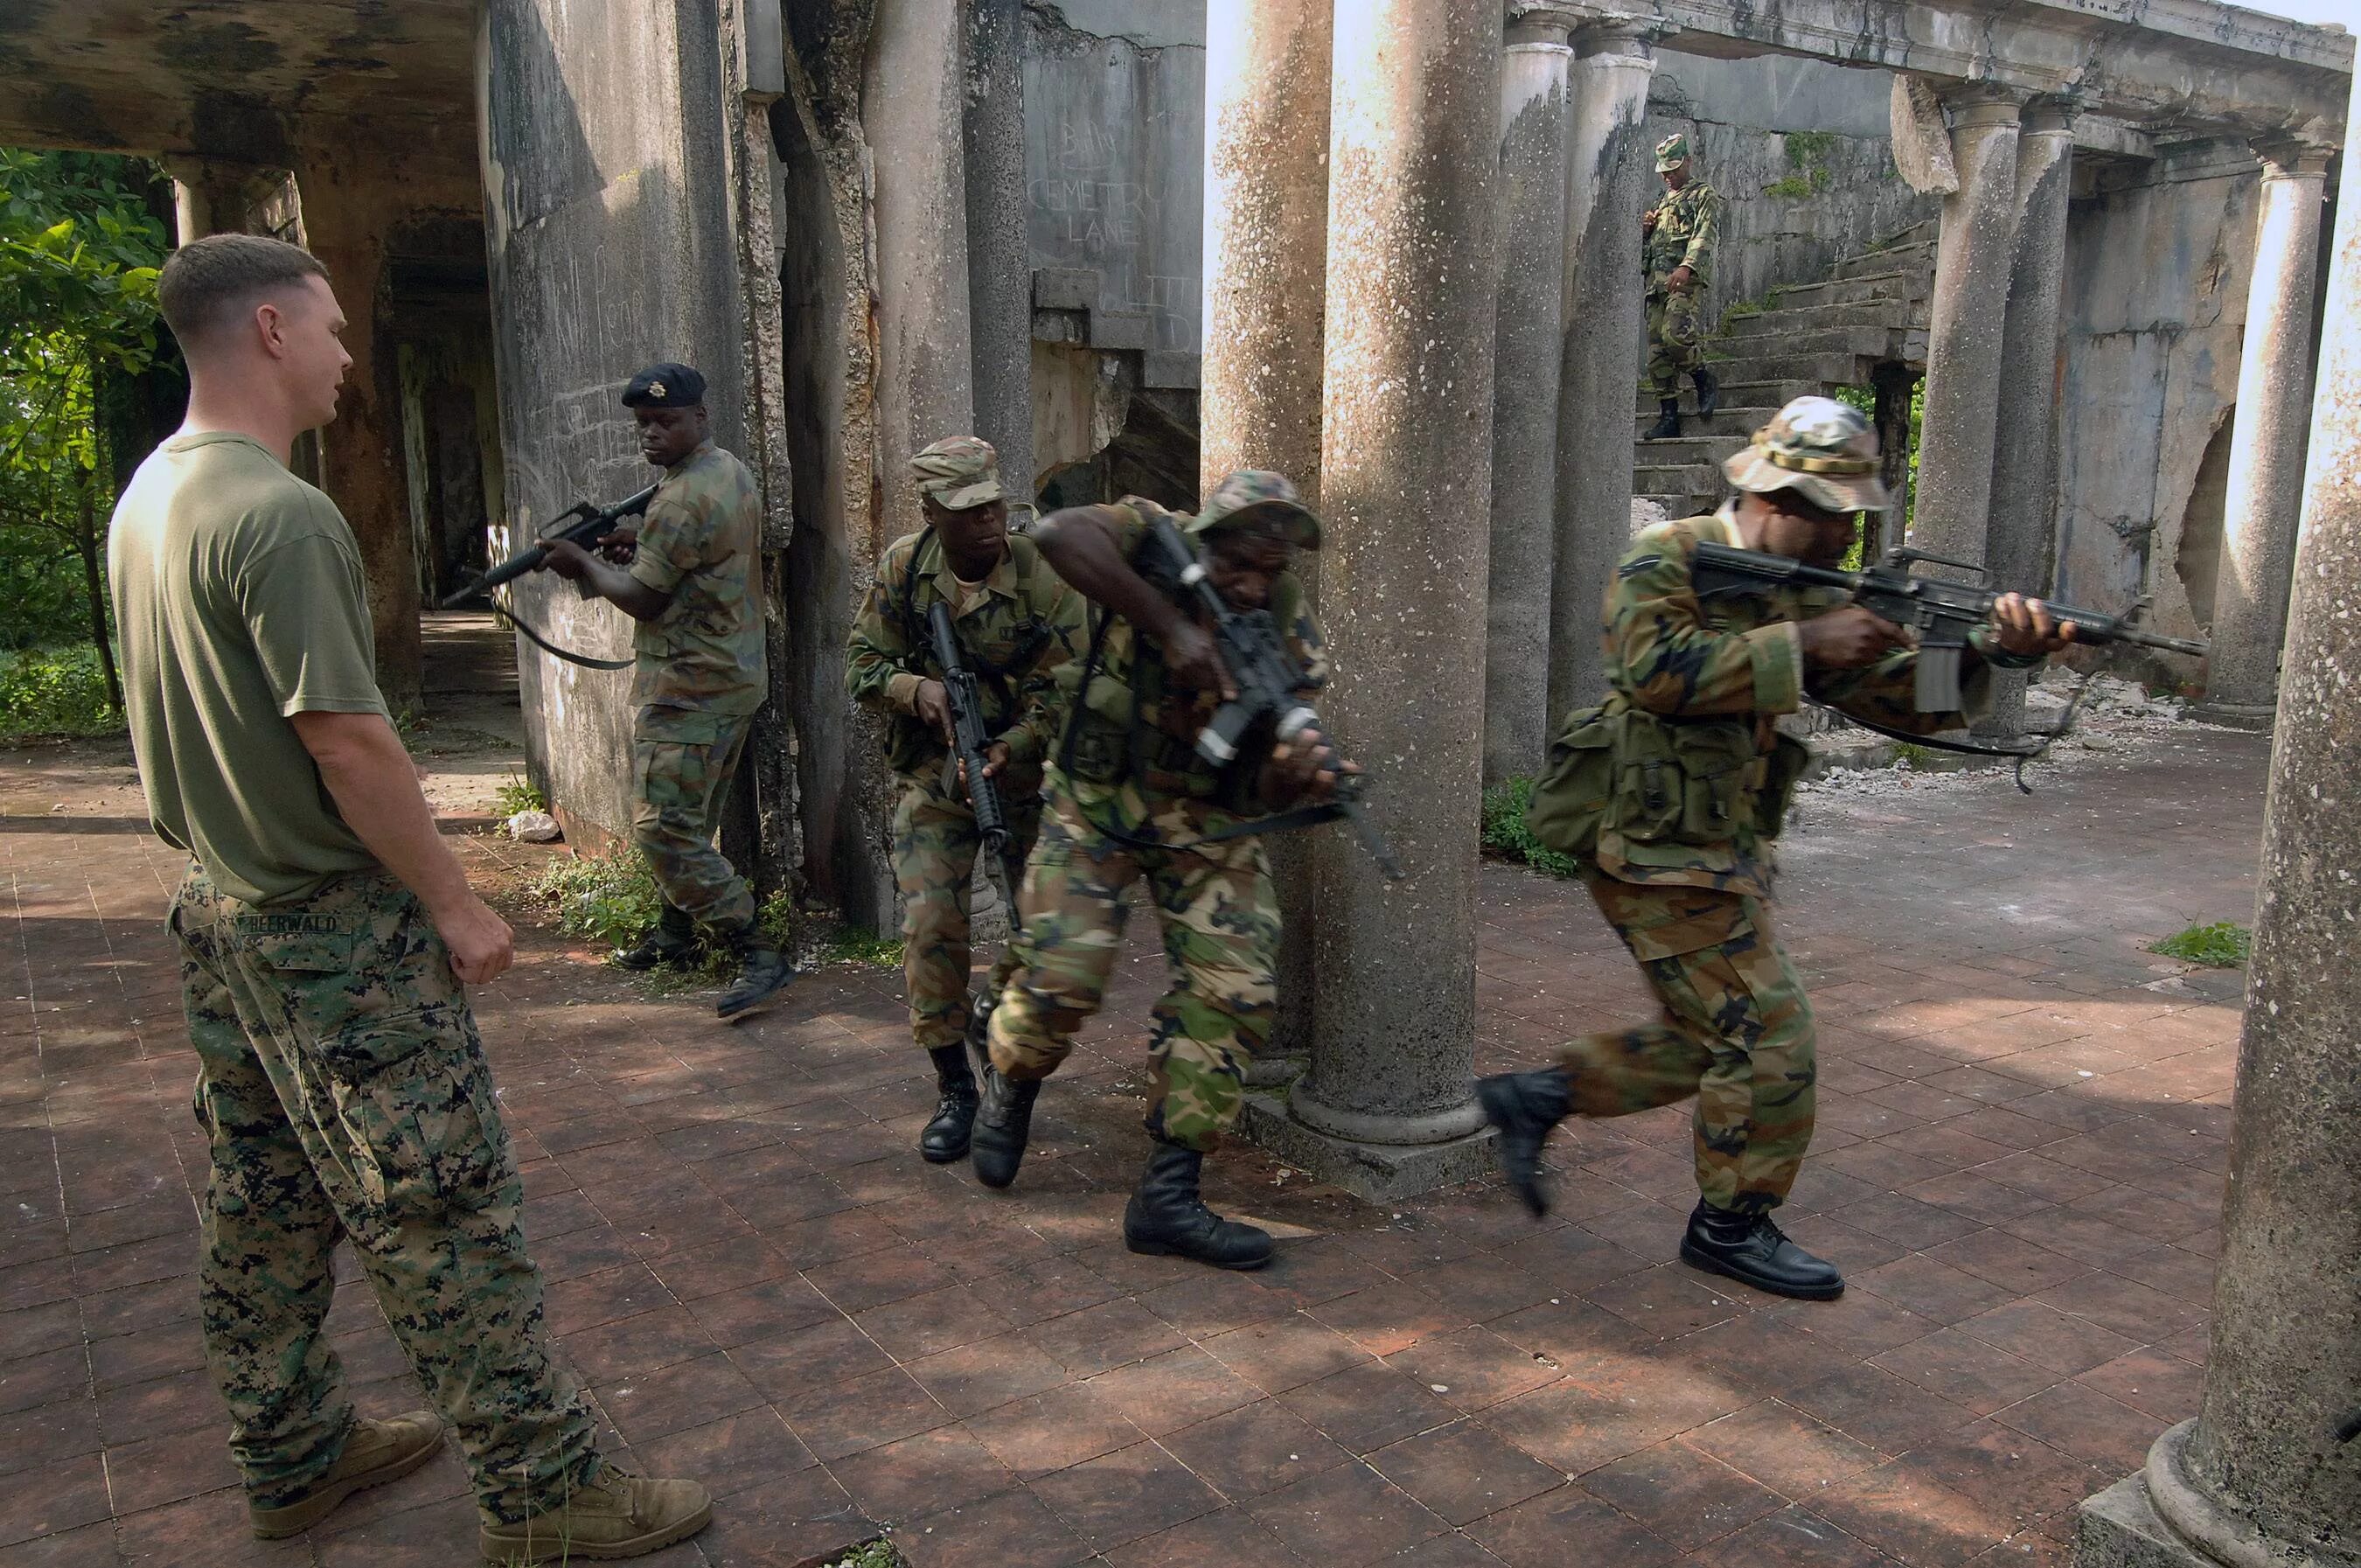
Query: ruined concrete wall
(605,151)
(2158,259)
(1800,152)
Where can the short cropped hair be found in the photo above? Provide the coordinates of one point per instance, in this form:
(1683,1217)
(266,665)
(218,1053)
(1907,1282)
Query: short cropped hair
(208,283)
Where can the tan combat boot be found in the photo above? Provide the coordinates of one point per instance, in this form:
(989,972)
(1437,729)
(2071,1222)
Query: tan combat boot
(616,1515)
(374,1453)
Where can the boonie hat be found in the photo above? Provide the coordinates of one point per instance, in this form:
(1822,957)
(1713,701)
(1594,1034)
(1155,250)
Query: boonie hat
(667,385)
(1258,501)
(960,473)
(1820,447)
(1672,152)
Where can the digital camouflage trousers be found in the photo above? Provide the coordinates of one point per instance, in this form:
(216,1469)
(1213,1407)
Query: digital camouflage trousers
(1219,917)
(1674,331)
(1736,1033)
(343,1092)
(935,846)
(681,767)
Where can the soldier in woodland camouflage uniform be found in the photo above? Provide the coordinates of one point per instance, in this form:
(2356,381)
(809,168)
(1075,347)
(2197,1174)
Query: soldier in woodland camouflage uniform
(326,930)
(1129,797)
(1017,622)
(1673,789)
(1679,233)
(688,578)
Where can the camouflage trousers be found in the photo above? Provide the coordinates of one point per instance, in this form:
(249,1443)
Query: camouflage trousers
(1219,915)
(935,846)
(1674,331)
(681,769)
(343,1092)
(1736,1033)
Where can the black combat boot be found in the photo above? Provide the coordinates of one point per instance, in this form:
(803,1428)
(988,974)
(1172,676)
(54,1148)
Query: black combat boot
(1525,1106)
(1003,1121)
(1668,421)
(670,943)
(763,972)
(1167,1216)
(946,1136)
(1751,1250)
(1708,390)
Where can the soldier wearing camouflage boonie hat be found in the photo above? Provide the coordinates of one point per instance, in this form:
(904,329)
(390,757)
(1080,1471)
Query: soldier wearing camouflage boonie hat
(1258,501)
(1672,152)
(960,473)
(1819,447)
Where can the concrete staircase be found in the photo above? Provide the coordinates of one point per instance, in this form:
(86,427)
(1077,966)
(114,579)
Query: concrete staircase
(1871,310)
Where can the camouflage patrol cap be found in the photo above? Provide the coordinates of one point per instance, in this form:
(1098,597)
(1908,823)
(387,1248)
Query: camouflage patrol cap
(1819,447)
(1672,152)
(960,473)
(664,385)
(1258,501)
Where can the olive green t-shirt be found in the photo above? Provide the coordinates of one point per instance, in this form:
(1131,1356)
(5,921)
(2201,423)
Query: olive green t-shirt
(239,600)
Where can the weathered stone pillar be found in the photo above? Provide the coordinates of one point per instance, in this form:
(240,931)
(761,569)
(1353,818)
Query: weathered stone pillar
(999,263)
(1607,171)
(1529,351)
(2270,1473)
(1265,298)
(1385,1108)
(2025,469)
(2265,482)
(1964,326)
(912,102)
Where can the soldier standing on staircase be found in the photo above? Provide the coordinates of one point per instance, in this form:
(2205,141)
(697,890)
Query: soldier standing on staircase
(1678,241)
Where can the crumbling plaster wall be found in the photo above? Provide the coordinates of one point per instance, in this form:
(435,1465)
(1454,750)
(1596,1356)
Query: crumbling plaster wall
(1786,219)
(2157,260)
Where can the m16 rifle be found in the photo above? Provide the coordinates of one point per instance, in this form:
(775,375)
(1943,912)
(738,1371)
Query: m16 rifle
(971,745)
(583,523)
(1942,612)
(1266,677)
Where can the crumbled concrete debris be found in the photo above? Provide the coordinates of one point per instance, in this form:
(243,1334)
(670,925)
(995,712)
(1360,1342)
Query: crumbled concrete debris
(533,827)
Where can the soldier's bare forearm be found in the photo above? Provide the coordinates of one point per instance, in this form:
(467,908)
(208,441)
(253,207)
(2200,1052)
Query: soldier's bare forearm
(1081,547)
(369,776)
(602,579)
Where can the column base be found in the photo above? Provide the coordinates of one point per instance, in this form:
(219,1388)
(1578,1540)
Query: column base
(1375,1173)
(2160,1518)
(2120,1527)
(1276,1069)
(2236,715)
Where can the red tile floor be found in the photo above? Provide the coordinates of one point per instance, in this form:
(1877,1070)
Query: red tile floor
(2020,1164)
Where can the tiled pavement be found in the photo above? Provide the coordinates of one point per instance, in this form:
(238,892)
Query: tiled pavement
(2019,1162)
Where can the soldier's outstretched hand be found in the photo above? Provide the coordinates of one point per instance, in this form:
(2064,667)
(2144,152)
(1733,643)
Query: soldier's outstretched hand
(2025,627)
(1303,771)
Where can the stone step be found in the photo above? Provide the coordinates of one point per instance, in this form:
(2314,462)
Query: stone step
(1844,315)
(1740,400)
(1905,258)
(1821,371)
(1685,448)
(1875,288)
(1675,478)
(1864,342)
(1736,421)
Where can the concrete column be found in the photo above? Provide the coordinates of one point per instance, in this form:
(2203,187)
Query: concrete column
(912,105)
(2258,515)
(1608,172)
(1964,328)
(1528,357)
(1265,297)
(1385,1108)
(2017,548)
(2270,1473)
(999,263)
(349,206)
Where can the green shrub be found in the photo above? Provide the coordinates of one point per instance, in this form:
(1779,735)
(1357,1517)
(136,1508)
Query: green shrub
(608,898)
(2225,944)
(857,945)
(55,691)
(1506,835)
(518,793)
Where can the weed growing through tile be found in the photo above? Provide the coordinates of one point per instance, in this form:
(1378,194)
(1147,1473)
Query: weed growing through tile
(2222,944)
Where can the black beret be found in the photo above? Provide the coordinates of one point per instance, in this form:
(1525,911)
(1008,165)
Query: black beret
(665,386)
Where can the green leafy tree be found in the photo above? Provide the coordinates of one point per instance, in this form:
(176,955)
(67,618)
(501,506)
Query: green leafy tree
(80,246)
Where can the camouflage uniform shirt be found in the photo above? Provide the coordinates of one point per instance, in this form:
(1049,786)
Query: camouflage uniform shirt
(700,542)
(1134,737)
(1687,222)
(1019,626)
(1700,775)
